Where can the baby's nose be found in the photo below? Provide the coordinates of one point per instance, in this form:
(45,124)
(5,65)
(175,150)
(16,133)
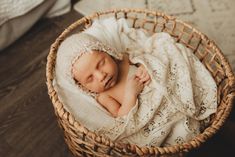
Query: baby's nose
(100,75)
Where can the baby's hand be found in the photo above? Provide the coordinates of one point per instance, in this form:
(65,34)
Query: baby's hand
(143,75)
(133,86)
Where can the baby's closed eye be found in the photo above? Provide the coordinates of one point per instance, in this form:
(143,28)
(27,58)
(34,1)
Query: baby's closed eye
(89,79)
(101,63)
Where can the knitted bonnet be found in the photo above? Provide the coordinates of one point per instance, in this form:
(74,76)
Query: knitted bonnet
(72,48)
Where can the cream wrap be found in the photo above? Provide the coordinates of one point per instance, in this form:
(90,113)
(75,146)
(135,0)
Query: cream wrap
(172,109)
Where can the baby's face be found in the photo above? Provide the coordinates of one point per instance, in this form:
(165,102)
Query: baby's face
(96,71)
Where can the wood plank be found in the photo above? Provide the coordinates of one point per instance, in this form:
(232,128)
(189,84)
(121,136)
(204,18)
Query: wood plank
(20,56)
(28,126)
(36,125)
(32,116)
(34,77)
(4,147)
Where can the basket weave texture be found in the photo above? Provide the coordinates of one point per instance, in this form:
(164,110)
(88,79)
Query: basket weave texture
(83,142)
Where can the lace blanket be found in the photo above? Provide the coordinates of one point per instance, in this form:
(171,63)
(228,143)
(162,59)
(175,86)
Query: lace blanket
(171,108)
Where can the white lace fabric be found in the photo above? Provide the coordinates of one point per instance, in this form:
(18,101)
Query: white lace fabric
(181,94)
(169,111)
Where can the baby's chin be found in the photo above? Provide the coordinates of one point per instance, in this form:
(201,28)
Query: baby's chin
(111,85)
(106,88)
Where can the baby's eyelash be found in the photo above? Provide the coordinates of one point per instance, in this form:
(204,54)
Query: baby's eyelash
(102,62)
(89,79)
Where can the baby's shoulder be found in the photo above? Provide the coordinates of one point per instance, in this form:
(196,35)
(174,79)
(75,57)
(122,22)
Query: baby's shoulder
(102,96)
(108,93)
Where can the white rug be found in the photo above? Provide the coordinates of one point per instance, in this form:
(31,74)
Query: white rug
(215,18)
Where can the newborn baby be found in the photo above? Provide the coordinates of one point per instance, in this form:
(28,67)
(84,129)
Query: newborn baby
(98,72)
(175,105)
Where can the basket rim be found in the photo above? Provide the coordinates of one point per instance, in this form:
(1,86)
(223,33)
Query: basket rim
(61,112)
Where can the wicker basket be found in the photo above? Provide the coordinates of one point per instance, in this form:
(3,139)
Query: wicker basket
(83,142)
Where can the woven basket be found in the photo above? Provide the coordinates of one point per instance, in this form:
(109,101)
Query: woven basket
(83,142)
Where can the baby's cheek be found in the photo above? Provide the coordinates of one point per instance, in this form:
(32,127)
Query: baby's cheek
(96,88)
(89,87)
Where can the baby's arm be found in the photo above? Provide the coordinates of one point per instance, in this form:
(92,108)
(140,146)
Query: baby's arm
(133,87)
(109,103)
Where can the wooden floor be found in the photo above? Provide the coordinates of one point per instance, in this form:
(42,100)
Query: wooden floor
(28,126)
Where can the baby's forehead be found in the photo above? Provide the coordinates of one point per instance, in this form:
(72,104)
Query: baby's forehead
(87,61)
(92,55)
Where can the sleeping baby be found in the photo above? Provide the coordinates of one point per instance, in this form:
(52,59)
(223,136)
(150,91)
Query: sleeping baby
(100,73)
(156,91)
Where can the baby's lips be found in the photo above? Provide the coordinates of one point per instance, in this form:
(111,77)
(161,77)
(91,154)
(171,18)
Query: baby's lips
(107,83)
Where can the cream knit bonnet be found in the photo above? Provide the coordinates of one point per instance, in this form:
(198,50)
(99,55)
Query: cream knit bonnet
(73,47)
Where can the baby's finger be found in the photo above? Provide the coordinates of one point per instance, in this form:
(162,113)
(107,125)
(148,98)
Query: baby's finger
(142,86)
(143,81)
(144,77)
(132,78)
(143,74)
(137,79)
(147,77)
(147,82)
(139,72)
(140,81)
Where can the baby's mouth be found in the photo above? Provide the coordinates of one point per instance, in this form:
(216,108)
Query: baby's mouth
(107,84)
